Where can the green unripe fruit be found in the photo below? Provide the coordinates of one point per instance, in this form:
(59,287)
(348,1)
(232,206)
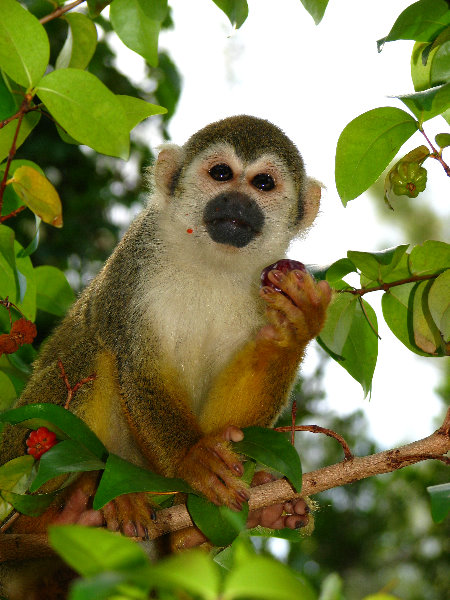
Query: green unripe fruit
(408,179)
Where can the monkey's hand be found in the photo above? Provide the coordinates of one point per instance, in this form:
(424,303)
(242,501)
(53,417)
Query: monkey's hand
(213,469)
(297,313)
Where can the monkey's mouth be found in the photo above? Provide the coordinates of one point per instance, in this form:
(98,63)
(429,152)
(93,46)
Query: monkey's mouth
(233,218)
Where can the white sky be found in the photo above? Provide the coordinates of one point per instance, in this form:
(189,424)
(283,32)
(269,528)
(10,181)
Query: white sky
(311,81)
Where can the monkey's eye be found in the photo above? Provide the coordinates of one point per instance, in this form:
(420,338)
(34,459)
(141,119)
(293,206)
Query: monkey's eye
(221,172)
(264,182)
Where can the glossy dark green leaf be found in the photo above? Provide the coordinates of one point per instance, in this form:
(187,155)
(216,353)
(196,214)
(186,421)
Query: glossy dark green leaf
(421,21)
(80,43)
(90,551)
(440,67)
(135,29)
(14,477)
(340,269)
(24,45)
(236,10)
(426,333)
(8,132)
(26,504)
(57,419)
(316,8)
(429,103)
(121,477)
(54,294)
(430,257)
(7,393)
(440,501)
(67,456)
(136,109)
(263,577)
(439,303)
(272,449)
(219,524)
(87,110)
(96,6)
(155,10)
(367,145)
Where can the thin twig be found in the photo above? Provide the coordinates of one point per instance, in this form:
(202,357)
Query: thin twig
(436,154)
(324,430)
(71,391)
(60,11)
(387,286)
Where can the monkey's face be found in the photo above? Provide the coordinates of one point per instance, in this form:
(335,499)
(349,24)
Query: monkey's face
(224,208)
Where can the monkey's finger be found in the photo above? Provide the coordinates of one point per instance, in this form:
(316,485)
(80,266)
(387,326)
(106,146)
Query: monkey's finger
(296,521)
(233,434)
(91,518)
(261,477)
(186,538)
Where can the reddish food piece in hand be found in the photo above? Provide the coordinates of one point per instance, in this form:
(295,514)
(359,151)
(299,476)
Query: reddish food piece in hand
(284,265)
(40,441)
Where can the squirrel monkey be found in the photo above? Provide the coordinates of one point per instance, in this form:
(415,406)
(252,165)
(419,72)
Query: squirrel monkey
(187,349)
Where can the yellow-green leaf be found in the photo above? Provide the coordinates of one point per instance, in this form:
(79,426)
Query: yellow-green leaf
(38,194)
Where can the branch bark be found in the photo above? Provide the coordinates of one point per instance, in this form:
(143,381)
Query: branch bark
(435,446)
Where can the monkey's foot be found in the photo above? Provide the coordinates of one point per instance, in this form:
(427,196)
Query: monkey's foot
(297,313)
(291,515)
(212,468)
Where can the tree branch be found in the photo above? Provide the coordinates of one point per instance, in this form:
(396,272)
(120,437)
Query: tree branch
(435,446)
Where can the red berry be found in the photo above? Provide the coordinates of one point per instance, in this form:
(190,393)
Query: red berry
(284,265)
(40,441)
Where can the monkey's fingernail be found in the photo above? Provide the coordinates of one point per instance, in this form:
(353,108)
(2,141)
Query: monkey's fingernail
(238,468)
(146,535)
(299,524)
(267,290)
(278,275)
(153,515)
(300,275)
(236,505)
(243,495)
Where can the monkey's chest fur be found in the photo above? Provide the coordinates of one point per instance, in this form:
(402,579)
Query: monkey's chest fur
(199,324)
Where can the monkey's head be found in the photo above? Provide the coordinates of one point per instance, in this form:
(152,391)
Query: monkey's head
(237,190)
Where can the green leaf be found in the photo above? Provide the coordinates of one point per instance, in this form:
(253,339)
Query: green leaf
(38,194)
(68,456)
(440,67)
(339,320)
(339,269)
(377,265)
(439,303)
(272,449)
(426,334)
(192,571)
(135,29)
(360,351)
(397,306)
(429,103)
(7,133)
(121,477)
(90,551)
(7,263)
(155,10)
(440,501)
(80,43)
(422,21)
(24,46)
(262,577)
(136,110)
(54,294)
(7,102)
(32,506)
(26,299)
(236,10)
(316,8)
(429,258)
(367,145)
(57,419)
(15,473)
(87,110)
(7,393)
(443,140)
(96,6)
(292,535)
(219,524)
(99,587)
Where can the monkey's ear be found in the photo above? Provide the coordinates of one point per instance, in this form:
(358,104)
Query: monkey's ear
(167,168)
(311,202)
